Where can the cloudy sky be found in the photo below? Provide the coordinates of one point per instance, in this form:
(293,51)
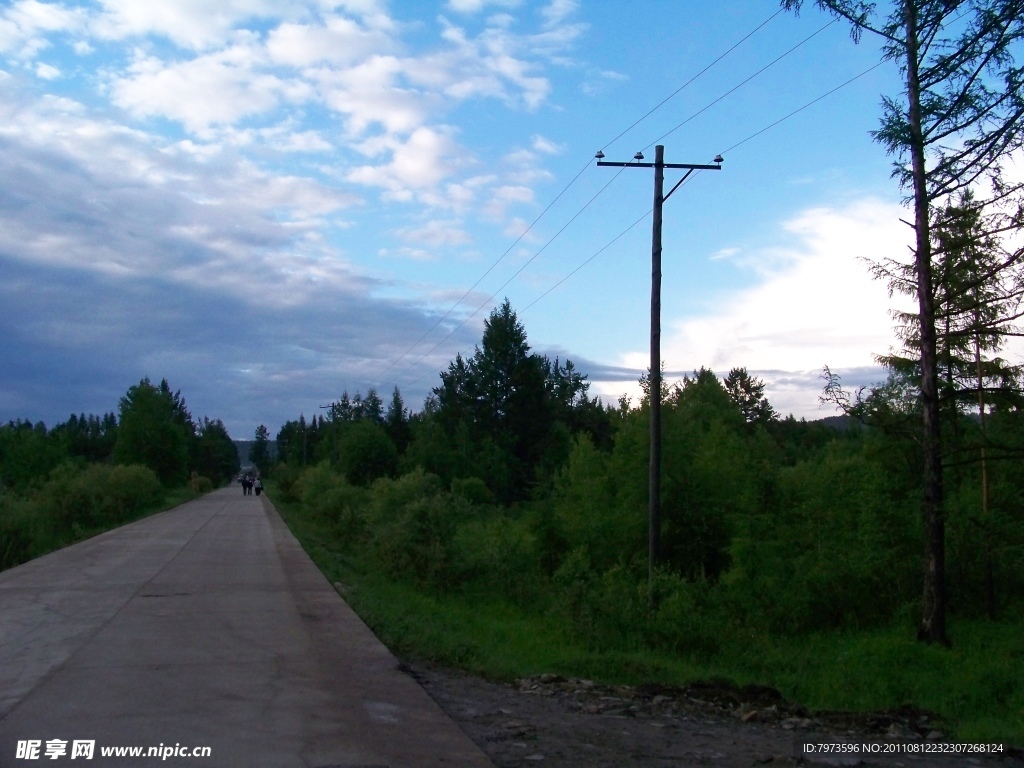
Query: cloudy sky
(269,203)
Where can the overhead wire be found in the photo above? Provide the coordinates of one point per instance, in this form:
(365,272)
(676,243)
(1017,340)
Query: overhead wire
(805,106)
(604,248)
(490,298)
(658,106)
(732,90)
(736,87)
(685,181)
(678,90)
(484,275)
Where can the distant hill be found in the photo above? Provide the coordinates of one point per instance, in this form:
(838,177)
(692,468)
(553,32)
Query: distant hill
(243,446)
(841,422)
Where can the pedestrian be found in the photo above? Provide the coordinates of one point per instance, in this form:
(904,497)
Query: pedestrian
(258,485)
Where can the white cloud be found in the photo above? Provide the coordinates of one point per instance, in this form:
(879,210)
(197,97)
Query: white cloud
(194,24)
(724,253)
(504,196)
(371,93)
(437,233)
(475,6)
(216,89)
(338,41)
(546,146)
(418,163)
(405,252)
(482,66)
(557,11)
(96,197)
(47,72)
(516,228)
(815,305)
(23,24)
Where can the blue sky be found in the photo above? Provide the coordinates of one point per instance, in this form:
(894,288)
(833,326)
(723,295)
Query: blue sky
(269,203)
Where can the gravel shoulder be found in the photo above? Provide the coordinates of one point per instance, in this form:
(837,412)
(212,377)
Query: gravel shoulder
(553,722)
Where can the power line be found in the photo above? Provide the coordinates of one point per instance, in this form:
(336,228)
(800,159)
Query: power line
(678,90)
(691,117)
(680,125)
(685,181)
(805,106)
(735,88)
(604,248)
(514,276)
(564,190)
(485,274)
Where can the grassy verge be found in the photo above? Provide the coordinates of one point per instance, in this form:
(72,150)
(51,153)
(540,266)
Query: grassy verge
(975,687)
(32,528)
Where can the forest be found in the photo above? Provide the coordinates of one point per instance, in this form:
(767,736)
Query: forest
(515,493)
(92,473)
(867,563)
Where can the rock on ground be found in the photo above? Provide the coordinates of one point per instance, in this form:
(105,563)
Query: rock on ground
(553,722)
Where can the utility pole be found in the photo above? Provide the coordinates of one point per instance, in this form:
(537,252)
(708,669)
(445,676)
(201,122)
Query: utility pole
(654,467)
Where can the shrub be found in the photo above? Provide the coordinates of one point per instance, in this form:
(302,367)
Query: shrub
(73,502)
(333,500)
(411,524)
(199,484)
(500,555)
(682,620)
(285,477)
(125,492)
(19,531)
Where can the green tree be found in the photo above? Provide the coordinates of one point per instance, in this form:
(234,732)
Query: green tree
(371,407)
(959,119)
(396,422)
(296,441)
(259,453)
(367,452)
(215,455)
(501,394)
(979,284)
(708,475)
(89,437)
(748,393)
(155,430)
(28,453)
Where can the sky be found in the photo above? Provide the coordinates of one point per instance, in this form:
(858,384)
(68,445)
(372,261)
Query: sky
(271,203)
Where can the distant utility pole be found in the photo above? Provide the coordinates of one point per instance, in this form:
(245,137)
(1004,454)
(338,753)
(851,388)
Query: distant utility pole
(654,470)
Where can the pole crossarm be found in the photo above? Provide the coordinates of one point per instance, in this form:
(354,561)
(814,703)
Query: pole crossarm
(688,166)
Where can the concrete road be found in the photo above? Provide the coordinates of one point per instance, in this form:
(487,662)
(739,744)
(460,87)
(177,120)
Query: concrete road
(204,626)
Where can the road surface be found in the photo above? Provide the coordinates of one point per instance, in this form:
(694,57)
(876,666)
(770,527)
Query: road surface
(204,628)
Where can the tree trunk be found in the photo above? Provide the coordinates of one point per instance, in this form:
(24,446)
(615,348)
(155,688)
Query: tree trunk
(990,582)
(933,602)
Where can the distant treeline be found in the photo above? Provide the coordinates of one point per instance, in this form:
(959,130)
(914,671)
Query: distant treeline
(513,482)
(93,472)
(153,428)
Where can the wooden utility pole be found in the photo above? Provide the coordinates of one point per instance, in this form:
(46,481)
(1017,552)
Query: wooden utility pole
(654,466)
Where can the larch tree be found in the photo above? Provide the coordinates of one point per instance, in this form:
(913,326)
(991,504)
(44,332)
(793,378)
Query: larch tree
(954,127)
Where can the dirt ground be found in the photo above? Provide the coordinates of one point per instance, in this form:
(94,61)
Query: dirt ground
(552,722)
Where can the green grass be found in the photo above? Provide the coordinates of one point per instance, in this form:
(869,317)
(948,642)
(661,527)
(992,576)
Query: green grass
(45,540)
(975,687)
